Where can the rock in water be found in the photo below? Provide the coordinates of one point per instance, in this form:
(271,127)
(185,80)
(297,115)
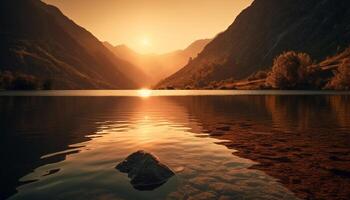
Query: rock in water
(145,170)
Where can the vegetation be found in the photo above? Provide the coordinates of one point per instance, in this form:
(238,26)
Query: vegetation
(20,81)
(258,75)
(291,70)
(47,84)
(341,79)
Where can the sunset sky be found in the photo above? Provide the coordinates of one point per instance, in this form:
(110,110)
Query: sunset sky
(152,26)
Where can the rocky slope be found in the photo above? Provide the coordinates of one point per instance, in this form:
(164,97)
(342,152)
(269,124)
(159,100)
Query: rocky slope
(261,32)
(38,40)
(159,66)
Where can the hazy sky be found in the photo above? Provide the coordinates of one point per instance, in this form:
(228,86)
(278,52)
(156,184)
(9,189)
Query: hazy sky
(152,25)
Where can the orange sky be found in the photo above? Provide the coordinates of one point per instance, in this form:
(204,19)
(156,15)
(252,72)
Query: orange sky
(152,25)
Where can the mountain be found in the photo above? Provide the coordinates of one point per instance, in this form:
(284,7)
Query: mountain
(38,40)
(159,66)
(263,31)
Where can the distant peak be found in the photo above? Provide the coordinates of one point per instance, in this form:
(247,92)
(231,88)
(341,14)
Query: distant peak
(122,46)
(197,46)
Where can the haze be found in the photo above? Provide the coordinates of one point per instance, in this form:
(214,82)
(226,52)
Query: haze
(152,26)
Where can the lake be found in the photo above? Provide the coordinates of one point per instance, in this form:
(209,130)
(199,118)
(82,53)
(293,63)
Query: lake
(222,144)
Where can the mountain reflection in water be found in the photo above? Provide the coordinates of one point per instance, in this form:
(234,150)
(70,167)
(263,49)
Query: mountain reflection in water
(279,147)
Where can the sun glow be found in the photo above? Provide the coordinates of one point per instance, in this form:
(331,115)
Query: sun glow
(145,93)
(146,42)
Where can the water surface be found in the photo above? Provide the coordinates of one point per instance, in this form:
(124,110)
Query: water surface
(66,144)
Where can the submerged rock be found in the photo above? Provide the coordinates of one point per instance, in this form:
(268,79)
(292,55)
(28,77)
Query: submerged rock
(145,170)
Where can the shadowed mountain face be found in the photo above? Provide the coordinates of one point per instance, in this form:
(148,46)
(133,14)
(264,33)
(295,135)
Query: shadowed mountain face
(38,40)
(159,66)
(264,30)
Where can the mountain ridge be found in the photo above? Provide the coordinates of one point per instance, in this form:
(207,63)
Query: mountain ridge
(39,40)
(261,32)
(159,66)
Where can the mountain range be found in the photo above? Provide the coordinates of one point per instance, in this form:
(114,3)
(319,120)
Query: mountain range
(263,31)
(36,39)
(159,66)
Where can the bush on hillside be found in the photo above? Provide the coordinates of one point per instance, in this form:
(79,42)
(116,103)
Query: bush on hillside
(290,70)
(341,79)
(18,81)
(6,79)
(47,84)
(258,75)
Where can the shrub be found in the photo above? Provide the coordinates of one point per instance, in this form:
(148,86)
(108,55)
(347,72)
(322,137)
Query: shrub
(341,79)
(47,84)
(24,82)
(258,75)
(290,71)
(6,79)
(17,81)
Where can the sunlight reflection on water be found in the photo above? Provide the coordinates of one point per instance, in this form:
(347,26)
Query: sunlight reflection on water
(164,128)
(66,146)
(147,93)
(144,93)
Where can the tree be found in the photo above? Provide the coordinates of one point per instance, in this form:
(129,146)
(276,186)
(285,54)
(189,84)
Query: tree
(6,79)
(341,79)
(290,71)
(258,75)
(24,82)
(17,81)
(47,84)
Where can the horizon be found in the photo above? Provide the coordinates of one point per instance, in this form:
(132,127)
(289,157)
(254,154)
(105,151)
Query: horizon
(152,27)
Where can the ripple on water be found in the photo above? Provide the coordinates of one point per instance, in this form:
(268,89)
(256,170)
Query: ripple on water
(205,169)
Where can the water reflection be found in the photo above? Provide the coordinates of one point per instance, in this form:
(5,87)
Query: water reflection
(145,93)
(303,141)
(69,146)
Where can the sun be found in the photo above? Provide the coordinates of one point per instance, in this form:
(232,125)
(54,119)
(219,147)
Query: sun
(144,93)
(146,42)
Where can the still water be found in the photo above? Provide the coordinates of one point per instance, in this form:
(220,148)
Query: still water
(222,144)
